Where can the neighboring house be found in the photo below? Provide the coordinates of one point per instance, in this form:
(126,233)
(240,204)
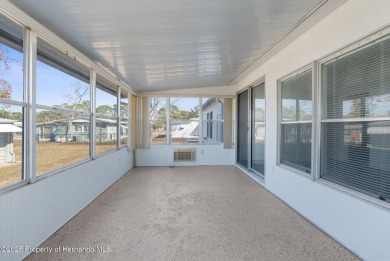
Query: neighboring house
(7,131)
(58,130)
(213,120)
(106,129)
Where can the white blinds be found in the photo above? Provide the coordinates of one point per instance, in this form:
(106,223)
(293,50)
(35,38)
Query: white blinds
(296,116)
(357,84)
(355,128)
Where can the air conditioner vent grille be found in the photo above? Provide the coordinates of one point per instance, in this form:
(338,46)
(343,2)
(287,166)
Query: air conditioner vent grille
(184,155)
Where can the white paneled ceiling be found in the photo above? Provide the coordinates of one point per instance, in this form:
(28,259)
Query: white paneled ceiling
(158,45)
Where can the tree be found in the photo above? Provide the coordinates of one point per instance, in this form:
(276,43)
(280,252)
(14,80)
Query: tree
(107,110)
(157,112)
(49,116)
(194,113)
(75,101)
(5,64)
(155,106)
(17,116)
(123,111)
(5,89)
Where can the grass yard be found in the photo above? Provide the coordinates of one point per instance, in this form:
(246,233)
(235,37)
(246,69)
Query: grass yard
(49,156)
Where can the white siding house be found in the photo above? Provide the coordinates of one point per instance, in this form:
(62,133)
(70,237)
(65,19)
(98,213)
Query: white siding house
(213,116)
(7,130)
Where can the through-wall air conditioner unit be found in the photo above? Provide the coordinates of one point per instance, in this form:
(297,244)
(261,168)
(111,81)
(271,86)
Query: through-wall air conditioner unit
(184,155)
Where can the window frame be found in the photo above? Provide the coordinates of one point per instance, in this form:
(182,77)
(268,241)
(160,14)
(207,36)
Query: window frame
(28,104)
(24,175)
(317,76)
(210,120)
(37,106)
(115,92)
(169,120)
(309,67)
(121,118)
(202,120)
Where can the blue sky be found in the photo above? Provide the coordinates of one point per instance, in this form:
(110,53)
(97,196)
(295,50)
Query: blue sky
(185,104)
(52,84)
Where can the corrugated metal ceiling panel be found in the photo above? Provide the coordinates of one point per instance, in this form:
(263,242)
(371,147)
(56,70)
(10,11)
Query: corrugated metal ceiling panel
(170,44)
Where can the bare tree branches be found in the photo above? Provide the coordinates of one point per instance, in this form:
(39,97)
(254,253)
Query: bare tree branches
(5,64)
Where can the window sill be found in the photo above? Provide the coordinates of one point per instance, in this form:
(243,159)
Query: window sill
(12,187)
(296,171)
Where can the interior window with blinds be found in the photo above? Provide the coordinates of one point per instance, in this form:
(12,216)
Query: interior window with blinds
(355,125)
(296,121)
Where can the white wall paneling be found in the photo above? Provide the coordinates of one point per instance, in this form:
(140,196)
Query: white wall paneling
(32,213)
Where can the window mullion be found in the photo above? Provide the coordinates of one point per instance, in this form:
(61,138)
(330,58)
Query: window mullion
(316,123)
(92,133)
(118,118)
(168,120)
(30,57)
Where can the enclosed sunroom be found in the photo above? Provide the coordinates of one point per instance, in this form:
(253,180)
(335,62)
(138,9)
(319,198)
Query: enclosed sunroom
(195,130)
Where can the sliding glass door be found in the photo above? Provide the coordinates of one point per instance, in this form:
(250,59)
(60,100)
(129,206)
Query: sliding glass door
(251,129)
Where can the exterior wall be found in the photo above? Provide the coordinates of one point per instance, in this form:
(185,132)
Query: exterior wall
(217,127)
(360,225)
(34,212)
(3,147)
(6,148)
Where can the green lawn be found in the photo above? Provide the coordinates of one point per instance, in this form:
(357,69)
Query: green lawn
(49,156)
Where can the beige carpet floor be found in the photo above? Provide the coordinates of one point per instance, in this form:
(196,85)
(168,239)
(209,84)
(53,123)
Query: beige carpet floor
(189,213)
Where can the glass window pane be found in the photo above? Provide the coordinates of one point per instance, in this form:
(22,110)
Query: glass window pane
(106,110)
(61,81)
(356,95)
(106,134)
(295,146)
(296,103)
(11,144)
(357,155)
(124,106)
(296,94)
(106,97)
(357,84)
(158,120)
(62,138)
(213,115)
(124,132)
(184,120)
(11,60)
(124,118)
